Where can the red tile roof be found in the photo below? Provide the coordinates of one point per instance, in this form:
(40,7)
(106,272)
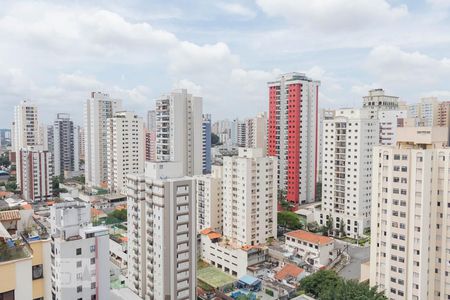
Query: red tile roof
(288,270)
(310,237)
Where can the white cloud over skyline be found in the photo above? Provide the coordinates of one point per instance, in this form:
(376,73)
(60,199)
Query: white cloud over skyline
(55,53)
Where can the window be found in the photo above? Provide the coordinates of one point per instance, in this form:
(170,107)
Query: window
(78,251)
(79,264)
(79,289)
(92,260)
(92,248)
(37,272)
(93,285)
(9,295)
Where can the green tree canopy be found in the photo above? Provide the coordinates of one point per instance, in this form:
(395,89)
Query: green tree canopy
(327,285)
(289,219)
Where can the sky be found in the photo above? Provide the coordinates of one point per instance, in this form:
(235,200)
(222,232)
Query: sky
(55,53)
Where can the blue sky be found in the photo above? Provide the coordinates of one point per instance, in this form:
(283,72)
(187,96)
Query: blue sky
(55,52)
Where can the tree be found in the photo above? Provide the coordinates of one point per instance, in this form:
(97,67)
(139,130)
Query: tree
(351,289)
(327,285)
(319,282)
(313,226)
(4,160)
(120,214)
(329,225)
(214,139)
(11,186)
(289,220)
(342,228)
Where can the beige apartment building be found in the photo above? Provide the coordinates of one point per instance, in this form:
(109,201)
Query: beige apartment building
(410,229)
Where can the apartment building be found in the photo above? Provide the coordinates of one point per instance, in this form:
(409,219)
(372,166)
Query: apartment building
(348,140)
(65,146)
(150,144)
(81,142)
(443,114)
(98,108)
(162,233)
(389,121)
(206,144)
(125,149)
(34,173)
(377,101)
(249,183)
(425,112)
(179,130)
(316,250)
(410,213)
(210,200)
(25,260)
(293,136)
(25,130)
(79,252)
(256,131)
(324,114)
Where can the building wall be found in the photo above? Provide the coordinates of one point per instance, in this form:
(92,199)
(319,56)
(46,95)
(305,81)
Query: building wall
(179,130)
(410,223)
(97,109)
(34,178)
(348,140)
(249,183)
(125,149)
(14,277)
(293,136)
(162,214)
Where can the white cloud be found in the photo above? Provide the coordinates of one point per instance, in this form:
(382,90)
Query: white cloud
(391,64)
(334,14)
(439,3)
(235,8)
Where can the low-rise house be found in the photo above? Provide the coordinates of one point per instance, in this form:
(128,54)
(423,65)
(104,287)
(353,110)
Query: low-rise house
(290,274)
(316,250)
(230,258)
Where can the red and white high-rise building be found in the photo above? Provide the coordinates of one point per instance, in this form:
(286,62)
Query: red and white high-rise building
(293,134)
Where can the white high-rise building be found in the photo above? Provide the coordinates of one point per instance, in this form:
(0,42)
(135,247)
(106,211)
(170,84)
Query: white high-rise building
(389,121)
(125,144)
(162,233)
(81,142)
(249,197)
(179,130)
(237,211)
(34,177)
(98,108)
(348,140)
(256,132)
(65,146)
(210,200)
(25,126)
(324,114)
(377,101)
(425,112)
(80,253)
(410,230)
(293,136)
(151,120)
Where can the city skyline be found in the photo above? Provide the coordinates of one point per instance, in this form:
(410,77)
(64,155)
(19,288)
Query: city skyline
(137,56)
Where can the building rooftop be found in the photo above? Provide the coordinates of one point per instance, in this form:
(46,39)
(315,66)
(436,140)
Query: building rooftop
(310,237)
(289,270)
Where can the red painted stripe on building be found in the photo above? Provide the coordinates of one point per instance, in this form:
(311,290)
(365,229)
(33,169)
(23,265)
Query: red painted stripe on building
(293,160)
(317,138)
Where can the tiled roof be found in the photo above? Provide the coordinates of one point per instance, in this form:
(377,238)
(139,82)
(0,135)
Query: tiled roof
(288,270)
(9,215)
(310,237)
